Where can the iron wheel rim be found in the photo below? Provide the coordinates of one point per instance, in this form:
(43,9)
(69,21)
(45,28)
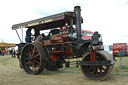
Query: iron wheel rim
(32,59)
(95,72)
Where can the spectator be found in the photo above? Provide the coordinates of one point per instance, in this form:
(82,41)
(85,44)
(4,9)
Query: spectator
(0,53)
(3,53)
(13,53)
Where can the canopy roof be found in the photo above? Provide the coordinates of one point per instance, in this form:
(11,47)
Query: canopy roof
(3,44)
(53,21)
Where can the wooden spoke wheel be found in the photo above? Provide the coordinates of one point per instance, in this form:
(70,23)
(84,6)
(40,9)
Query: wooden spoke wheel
(33,58)
(97,72)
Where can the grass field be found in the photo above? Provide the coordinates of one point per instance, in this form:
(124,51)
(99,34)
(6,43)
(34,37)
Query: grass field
(11,74)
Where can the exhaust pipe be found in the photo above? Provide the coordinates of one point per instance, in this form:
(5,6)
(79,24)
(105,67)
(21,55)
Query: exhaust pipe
(77,11)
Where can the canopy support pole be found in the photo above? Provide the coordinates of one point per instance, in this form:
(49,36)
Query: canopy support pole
(18,35)
(22,34)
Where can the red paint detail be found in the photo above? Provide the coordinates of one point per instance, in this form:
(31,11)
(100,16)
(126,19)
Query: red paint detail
(54,58)
(93,55)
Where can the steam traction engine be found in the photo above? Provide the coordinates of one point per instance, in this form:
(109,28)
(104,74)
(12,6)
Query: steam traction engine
(49,51)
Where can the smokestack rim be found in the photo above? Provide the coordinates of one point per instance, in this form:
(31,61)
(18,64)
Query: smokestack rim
(77,8)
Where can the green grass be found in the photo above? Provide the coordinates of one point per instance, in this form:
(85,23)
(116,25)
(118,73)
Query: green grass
(11,74)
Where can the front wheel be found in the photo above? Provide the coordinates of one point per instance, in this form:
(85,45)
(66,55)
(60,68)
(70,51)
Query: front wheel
(97,72)
(33,58)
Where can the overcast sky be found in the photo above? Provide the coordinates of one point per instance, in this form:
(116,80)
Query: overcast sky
(109,17)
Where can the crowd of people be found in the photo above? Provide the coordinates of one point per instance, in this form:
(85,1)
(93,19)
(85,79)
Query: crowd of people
(2,52)
(9,52)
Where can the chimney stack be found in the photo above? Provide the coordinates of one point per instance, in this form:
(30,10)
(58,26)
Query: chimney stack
(77,11)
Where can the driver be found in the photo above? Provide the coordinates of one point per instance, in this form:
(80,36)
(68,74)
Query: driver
(28,35)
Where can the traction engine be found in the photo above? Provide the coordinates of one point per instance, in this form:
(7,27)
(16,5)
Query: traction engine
(49,51)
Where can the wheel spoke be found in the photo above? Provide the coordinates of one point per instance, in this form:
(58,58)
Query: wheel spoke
(100,71)
(93,71)
(26,58)
(103,68)
(33,67)
(29,65)
(96,70)
(29,52)
(28,62)
(37,62)
(38,58)
(33,51)
(36,55)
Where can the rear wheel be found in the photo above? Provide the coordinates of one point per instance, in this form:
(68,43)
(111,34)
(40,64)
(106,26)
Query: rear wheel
(97,72)
(33,58)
